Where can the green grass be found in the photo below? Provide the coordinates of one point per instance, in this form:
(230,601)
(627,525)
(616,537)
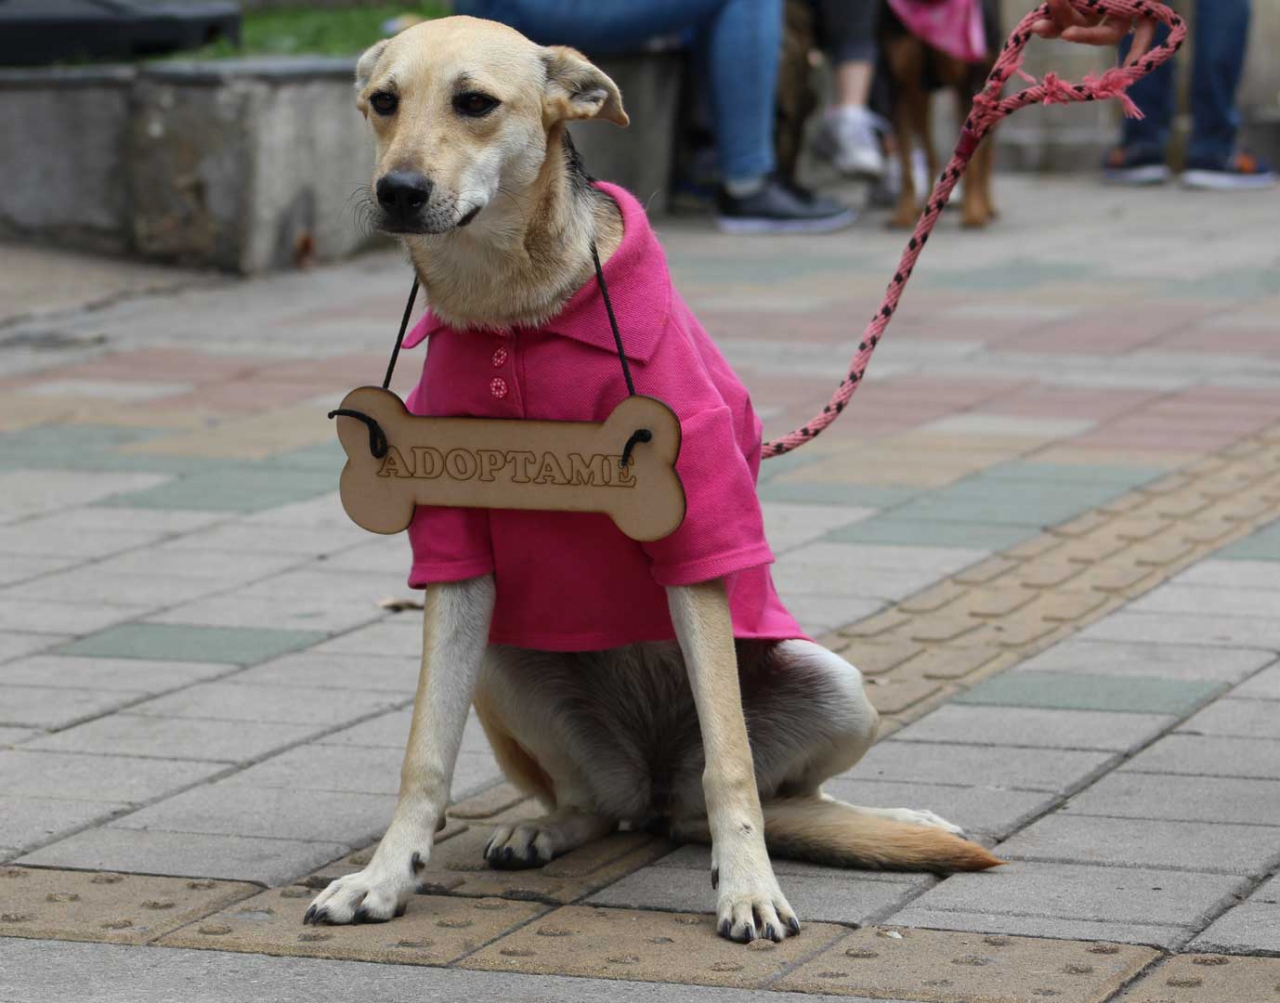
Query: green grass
(308,31)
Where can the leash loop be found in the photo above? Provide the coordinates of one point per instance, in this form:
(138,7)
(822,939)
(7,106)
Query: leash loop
(989,106)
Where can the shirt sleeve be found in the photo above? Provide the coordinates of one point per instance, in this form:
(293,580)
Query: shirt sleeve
(449,545)
(723,528)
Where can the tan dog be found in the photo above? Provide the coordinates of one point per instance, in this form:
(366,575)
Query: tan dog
(475,170)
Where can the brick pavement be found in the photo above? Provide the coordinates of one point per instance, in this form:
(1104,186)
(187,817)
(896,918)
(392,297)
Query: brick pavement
(1046,530)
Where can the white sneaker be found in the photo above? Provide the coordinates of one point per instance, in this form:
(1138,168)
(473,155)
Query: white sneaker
(848,139)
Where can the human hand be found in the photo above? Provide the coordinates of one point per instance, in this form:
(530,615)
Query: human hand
(1067,23)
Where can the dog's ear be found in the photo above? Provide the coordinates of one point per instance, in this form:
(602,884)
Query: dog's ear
(576,89)
(365,67)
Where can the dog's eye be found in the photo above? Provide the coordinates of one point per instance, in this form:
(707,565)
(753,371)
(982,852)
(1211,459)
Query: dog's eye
(384,102)
(473,104)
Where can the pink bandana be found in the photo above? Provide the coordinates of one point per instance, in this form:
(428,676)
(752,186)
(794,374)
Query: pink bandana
(952,26)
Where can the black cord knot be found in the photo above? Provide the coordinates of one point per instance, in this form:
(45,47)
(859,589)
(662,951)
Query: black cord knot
(377,437)
(639,435)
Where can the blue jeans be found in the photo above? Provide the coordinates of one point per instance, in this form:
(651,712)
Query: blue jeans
(1221,31)
(739,43)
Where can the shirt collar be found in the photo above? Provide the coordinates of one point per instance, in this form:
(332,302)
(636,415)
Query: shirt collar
(639,288)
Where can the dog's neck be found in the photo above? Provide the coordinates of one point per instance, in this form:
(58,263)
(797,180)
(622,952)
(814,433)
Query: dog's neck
(526,254)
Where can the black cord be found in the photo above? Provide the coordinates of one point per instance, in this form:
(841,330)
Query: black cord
(613,321)
(377,437)
(404,324)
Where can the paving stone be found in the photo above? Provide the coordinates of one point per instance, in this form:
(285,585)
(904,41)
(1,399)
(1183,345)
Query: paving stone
(1052,770)
(187,854)
(1191,799)
(1049,572)
(457,865)
(1209,756)
(1209,601)
(24,568)
(967,968)
(30,773)
(175,738)
(434,930)
(873,657)
(1188,628)
(311,767)
(956,662)
(986,571)
(127,674)
(116,908)
(310,670)
(231,488)
(1208,978)
(1181,901)
(897,692)
(1251,927)
(822,894)
(932,532)
(1239,718)
(170,643)
(112,974)
(1233,574)
(394,637)
(1033,727)
(236,810)
(10,737)
(54,707)
(793,525)
(1193,846)
(221,566)
(1189,663)
(647,946)
(1264,686)
(26,821)
(989,812)
(229,701)
(48,617)
(19,538)
(31,492)
(933,598)
(1078,691)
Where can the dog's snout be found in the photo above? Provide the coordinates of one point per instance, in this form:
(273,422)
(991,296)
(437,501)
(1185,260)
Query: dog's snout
(403,193)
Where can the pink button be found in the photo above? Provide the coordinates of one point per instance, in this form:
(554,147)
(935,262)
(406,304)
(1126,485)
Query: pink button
(499,357)
(498,387)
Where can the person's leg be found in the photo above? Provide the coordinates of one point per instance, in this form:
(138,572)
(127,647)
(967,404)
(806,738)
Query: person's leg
(1222,31)
(615,26)
(1154,95)
(848,134)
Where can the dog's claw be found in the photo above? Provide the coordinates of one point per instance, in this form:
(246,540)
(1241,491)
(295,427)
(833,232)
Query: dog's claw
(793,925)
(715,878)
(771,934)
(416,864)
(748,934)
(309,916)
(361,915)
(725,928)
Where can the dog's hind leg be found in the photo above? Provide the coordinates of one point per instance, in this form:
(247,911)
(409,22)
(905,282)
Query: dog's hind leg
(539,840)
(455,632)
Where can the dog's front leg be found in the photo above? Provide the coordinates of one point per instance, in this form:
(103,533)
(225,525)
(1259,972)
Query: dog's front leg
(750,904)
(455,633)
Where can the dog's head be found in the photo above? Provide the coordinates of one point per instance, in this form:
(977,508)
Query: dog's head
(463,109)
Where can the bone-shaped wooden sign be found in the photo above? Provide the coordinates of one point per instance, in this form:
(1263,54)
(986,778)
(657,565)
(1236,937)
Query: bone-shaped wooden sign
(397,461)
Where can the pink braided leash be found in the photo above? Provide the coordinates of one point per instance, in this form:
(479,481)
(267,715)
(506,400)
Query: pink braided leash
(988,108)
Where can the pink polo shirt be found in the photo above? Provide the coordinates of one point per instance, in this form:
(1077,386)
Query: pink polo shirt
(571,581)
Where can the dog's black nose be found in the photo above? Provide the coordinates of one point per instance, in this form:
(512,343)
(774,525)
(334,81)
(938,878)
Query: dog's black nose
(403,193)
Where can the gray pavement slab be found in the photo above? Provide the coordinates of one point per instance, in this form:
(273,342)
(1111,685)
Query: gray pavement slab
(1053,770)
(129,674)
(35,971)
(1194,663)
(48,616)
(1121,932)
(1188,628)
(1209,756)
(355,768)
(30,773)
(1181,798)
(236,810)
(1077,691)
(1233,574)
(176,738)
(1264,686)
(27,821)
(1193,846)
(398,636)
(1208,600)
(1239,718)
(1183,901)
(189,854)
(315,671)
(15,644)
(229,701)
(990,812)
(1037,728)
(1252,927)
(58,707)
(826,896)
(148,592)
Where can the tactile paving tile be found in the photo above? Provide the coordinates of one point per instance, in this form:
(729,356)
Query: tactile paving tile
(435,930)
(457,865)
(114,908)
(645,946)
(1209,978)
(945,967)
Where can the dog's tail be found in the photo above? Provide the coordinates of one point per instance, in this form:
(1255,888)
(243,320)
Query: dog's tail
(822,830)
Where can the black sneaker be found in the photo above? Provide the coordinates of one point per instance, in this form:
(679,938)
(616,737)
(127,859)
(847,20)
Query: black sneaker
(1136,165)
(778,208)
(1239,172)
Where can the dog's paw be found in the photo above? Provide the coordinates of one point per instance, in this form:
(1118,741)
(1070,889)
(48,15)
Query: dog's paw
(373,895)
(921,816)
(752,907)
(517,847)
